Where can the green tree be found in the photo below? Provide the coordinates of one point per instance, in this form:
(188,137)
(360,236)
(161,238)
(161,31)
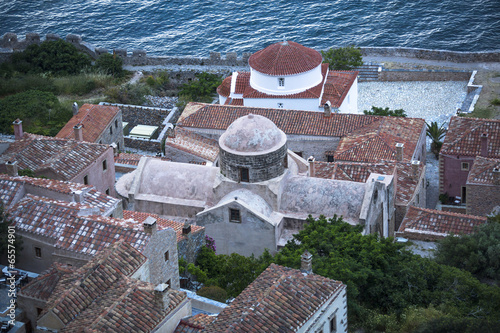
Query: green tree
(110,64)
(478,253)
(436,134)
(40,112)
(55,57)
(202,89)
(343,58)
(377,111)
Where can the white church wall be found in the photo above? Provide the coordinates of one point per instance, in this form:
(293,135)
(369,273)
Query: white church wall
(350,103)
(292,84)
(307,104)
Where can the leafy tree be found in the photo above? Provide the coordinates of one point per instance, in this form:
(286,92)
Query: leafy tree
(213,292)
(110,64)
(202,89)
(478,253)
(40,112)
(436,134)
(55,57)
(343,58)
(376,111)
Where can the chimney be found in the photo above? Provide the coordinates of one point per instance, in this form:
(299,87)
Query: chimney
(78,196)
(414,170)
(161,296)
(149,225)
(399,151)
(328,109)
(186,229)
(115,149)
(311,166)
(496,176)
(78,132)
(306,262)
(18,129)
(12,168)
(75,108)
(484,144)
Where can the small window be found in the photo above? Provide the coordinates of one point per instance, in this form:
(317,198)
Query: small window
(111,130)
(280,105)
(281,82)
(86,180)
(107,191)
(234,215)
(169,282)
(104,165)
(465,166)
(464,194)
(285,161)
(329,158)
(116,123)
(38,311)
(167,256)
(118,146)
(333,324)
(38,252)
(244,175)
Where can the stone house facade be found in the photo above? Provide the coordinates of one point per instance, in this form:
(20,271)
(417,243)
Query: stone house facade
(466,139)
(483,187)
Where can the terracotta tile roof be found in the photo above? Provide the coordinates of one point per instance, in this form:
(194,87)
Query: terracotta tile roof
(285,58)
(377,141)
(9,188)
(135,220)
(224,89)
(89,235)
(242,82)
(337,87)
(314,92)
(100,296)
(91,196)
(234,101)
(133,159)
(95,119)
(42,286)
(281,299)
(406,185)
(482,171)
(194,143)
(66,158)
(464,137)
(194,324)
(430,224)
(219,117)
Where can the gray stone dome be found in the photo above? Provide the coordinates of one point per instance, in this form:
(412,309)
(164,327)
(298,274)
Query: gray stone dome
(252,134)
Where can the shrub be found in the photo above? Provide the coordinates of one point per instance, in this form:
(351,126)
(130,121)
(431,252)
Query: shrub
(376,111)
(110,64)
(343,58)
(495,101)
(202,89)
(128,94)
(17,84)
(213,292)
(55,57)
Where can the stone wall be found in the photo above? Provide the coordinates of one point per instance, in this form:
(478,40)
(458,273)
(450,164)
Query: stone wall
(482,199)
(11,41)
(190,245)
(260,167)
(423,75)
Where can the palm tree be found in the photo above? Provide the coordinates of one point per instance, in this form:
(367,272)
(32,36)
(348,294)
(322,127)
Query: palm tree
(436,133)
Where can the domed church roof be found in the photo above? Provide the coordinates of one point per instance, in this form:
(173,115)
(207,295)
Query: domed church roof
(285,58)
(252,134)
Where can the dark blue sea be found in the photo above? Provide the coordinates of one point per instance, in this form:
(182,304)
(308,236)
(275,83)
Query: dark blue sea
(195,27)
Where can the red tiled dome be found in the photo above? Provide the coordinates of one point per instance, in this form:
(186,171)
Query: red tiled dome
(285,58)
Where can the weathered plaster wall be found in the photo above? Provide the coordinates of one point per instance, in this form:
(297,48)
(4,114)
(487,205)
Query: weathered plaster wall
(451,176)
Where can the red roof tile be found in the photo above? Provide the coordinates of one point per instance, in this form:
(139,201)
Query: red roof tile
(285,58)
(95,119)
(430,224)
(224,89)
(43,285)
(219,117)
(66,158)
(242,82)
(194,143)
(464,137)
(482,171)
(281,299)
(377,141)
(337,87)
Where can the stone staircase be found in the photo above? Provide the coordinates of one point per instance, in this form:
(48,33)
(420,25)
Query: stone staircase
(368,72)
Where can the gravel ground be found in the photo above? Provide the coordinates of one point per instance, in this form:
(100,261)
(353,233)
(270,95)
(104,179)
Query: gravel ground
(430,100)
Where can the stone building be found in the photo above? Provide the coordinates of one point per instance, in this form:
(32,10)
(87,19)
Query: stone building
(95,123)
(107,294)
(483,187)
(344,137)
(61,159)
(288,75)
(259,196)
(466,139)
(283,299)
